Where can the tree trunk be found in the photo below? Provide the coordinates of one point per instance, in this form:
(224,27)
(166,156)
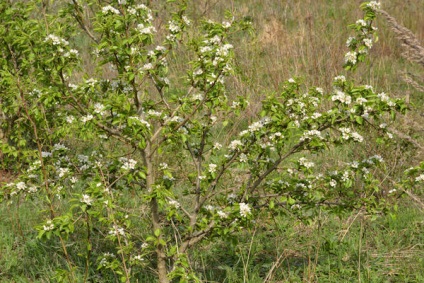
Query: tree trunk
(156,222)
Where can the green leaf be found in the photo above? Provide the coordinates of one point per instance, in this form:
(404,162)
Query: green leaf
(142,174)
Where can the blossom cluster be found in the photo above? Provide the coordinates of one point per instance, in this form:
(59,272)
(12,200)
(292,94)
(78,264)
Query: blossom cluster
(348,134)
(385,98)
(360,44)
(341,97)
(311,134)
(214,60)
(140,120)
(245,209)
(127,163)
(61,46)
(56,40)
(306,163)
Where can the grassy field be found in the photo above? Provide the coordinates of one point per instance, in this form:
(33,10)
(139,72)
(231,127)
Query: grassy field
(351,249)
(291,39)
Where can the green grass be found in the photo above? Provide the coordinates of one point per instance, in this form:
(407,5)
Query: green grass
(387,249)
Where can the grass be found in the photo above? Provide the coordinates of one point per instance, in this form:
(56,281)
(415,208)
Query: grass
(352,249)
(387,249)
(292,38)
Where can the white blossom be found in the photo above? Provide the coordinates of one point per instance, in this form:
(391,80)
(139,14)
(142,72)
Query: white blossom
(197,97)
(235,104)
(419,178)
(154,113)
(222,214)
(304,162)
(45,154)
(391,191)
(174,203)
(342,97)
(345,176)
(174,27)
(91,82)
(349,41)
(226,24)
(255,126)
(245,210)
(234,144)
(86,199)
(138,257)
(21,186)
(142,29)
(340,78)
(99,108)
(49,225)
(142,7)
(109,9)
(146,67)
(319,90)
(132,11)
(377,157)
(55,40)
(209,207)
(276,135)
(127,164)
(316,115)
(361,100)
(243,158)
(87,118)
(350,57)
(357,137)
(361,22)
(217,146)
(163,166)
(311,134)
(385,98)
(345,133)
(374,5)
(368,42)
(117,230)
(197,72)
(59,146)
(63,172)
(142,121)
(186,20)
(212,168)
(32,189)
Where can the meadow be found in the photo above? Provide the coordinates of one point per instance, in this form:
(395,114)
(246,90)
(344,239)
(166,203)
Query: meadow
(305,40)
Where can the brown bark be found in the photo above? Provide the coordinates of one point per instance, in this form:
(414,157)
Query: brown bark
(156,221)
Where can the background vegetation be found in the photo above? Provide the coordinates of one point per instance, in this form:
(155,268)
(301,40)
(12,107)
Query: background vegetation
(291,39)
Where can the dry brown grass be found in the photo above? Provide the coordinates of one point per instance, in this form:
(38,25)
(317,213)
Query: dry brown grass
(412,47)
(413,51)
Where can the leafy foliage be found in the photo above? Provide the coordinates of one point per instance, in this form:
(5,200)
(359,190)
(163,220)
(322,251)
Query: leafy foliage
(144,131)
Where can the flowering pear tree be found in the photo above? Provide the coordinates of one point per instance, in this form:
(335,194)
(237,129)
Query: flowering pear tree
(89,143)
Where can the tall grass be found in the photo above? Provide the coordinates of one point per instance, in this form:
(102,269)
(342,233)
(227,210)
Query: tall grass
(292,38)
